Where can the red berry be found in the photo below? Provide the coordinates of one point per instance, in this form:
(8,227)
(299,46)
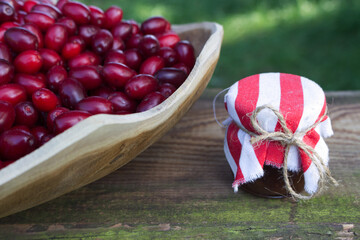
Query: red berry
(134,41)
(5,52)
(6,72)
(50,58)
(118,44)
(41,76)
(2,34)
(182,67)
(30,82)
(52,115)
(29,4)
(168,39)
(71,92)
(55,76)
(102,41)
(84,59)
(61,3)
(141,85)
(7,12)
(69,119)
(122,30)
(171,75)
(8,25)
(97,16)
(41,19)
(17,5)
(12,93)
(15,144)
(79,40)
(113,15)
(36,31)
(166,89)
(26,114)
(117,74)
(77,11)
(13,3)
(155,25)
(149,101)
(87,75)
(20,39)
(116,56)
(152,65)
(135,29)
(56,37)
(102,91)
(46,138)
(86,32)
(39,132)
(121,102)
(7,116)
(29,62)
(73,47)
(95,105)
(185,52)
(169,55)
(149,45)
(69,24)
(44,100)
(70,50)
(48,8)
(133,58)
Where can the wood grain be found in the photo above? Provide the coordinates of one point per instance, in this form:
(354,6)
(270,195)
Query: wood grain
(103,143)
(180,187)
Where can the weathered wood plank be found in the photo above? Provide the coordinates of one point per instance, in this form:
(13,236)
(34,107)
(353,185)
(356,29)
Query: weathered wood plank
(181,187)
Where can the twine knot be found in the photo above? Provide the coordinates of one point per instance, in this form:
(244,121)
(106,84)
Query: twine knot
(287,138)
(284,138)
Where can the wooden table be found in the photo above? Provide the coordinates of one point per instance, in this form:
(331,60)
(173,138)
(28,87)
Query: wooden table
(181,188)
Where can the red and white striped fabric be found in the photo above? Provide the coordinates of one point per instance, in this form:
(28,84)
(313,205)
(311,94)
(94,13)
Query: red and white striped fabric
(302,103)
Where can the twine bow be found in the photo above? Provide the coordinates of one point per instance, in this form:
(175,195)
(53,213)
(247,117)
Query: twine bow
(287,138)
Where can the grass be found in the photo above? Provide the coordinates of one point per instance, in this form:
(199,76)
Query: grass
(317,39)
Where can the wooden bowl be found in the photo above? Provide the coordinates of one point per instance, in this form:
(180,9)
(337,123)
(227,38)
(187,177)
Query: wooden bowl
(103,143)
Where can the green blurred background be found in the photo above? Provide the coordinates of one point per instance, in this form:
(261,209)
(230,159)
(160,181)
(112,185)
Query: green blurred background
(317,39)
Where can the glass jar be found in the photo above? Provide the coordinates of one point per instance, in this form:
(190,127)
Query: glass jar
(272,184)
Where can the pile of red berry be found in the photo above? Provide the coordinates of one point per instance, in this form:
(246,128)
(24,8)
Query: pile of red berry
(60,64)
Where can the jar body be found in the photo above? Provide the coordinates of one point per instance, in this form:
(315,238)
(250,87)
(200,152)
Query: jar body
(272,184)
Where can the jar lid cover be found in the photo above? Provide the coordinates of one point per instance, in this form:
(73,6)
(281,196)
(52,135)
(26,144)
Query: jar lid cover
(302,104)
